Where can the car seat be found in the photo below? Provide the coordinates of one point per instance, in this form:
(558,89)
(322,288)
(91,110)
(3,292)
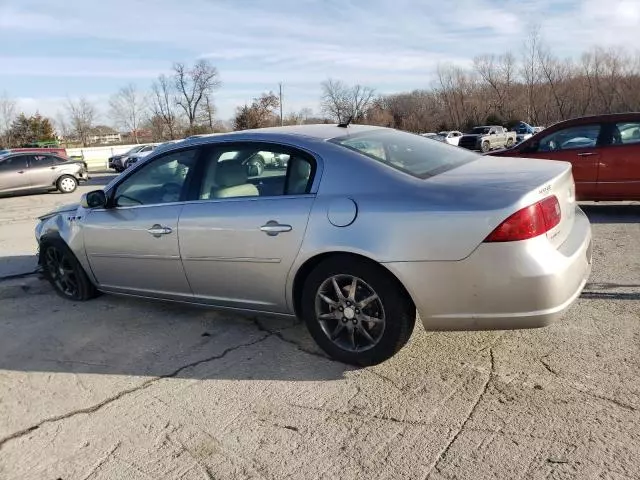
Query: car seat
(231,181)
(299,176)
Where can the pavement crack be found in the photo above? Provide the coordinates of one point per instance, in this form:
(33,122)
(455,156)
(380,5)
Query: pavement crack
(123,393)
(546,365)
(102,461)
(278,333)
(387,418)
(485,388)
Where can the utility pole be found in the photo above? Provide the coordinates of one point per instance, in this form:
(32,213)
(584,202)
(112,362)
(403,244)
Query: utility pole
(281,118)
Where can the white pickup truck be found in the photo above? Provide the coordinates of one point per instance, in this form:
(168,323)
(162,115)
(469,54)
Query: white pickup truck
(488,137)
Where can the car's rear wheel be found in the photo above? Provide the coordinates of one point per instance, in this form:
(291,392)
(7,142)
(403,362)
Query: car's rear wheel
(67,184)
(65,273)
(356,311)
(485,146)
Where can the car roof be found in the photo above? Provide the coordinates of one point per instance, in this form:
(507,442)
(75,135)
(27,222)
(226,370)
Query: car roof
(609,117)
(317,132)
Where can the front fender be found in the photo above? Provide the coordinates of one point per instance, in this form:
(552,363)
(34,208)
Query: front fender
(67,226)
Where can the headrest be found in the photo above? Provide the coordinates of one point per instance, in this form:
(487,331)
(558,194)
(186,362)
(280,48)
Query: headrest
(303,168)
(230,174)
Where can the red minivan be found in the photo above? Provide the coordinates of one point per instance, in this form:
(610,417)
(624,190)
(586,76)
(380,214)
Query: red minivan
(604,151)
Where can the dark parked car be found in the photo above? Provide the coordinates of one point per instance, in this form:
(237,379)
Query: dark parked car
(604,151)
(28,171)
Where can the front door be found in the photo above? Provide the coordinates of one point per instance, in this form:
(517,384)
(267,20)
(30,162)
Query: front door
(14,174)
(132,246)
(580,146)
(239,239)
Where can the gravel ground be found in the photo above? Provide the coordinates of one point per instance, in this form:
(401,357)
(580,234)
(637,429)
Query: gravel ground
(120,389)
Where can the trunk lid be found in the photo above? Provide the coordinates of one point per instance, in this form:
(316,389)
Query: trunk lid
(500,186)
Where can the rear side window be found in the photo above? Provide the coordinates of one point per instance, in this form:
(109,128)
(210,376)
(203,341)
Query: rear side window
(626,133)
(413,154)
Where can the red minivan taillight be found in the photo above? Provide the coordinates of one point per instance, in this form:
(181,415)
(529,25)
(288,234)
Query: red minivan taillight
(529,222)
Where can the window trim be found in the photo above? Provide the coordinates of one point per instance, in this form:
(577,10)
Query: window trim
(258,145)
(23,155)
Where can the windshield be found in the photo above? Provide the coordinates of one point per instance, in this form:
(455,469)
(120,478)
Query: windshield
(480,130)
(407,152)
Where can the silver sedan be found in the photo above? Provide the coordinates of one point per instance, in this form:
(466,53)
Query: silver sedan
(360,229)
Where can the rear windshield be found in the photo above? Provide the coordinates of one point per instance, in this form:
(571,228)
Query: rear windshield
(413,154)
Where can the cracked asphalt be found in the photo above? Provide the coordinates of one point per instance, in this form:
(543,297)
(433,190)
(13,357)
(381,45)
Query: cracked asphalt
(120,389)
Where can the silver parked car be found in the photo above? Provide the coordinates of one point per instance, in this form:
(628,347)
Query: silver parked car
(21,172)
(364,226)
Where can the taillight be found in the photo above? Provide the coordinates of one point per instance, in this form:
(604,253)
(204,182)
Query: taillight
(529,222)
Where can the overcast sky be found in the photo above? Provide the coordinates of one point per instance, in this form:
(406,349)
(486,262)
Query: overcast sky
(53,49)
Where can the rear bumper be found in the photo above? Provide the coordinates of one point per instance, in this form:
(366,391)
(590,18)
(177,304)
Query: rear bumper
(525,284)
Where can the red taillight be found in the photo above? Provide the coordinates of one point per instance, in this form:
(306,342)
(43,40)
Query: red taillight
(529,222)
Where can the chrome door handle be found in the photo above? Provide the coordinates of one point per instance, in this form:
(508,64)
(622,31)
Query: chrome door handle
(158,230)
(273,228)
(586,154)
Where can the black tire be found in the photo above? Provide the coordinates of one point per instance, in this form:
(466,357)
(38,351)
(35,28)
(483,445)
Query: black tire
(399,311)
(76,286)
(67,184)
(485,147)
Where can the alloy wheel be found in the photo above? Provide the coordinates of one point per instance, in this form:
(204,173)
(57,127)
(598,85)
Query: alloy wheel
(61,271)
(350,313)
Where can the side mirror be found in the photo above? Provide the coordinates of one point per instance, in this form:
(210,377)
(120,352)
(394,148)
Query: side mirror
(94,199)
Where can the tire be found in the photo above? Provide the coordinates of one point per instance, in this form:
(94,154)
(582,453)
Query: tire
(67,184)
(64,272)
(255,167)
(485,147)
(393,305)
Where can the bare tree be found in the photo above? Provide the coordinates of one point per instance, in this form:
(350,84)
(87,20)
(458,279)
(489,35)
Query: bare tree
(82,114)
(193,85)
(163,107)
(261,113)
(344,102)
(62,127)
(127,107)
(7,116)
(207,112)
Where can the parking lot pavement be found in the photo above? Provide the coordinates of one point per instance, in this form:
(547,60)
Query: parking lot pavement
(122,388)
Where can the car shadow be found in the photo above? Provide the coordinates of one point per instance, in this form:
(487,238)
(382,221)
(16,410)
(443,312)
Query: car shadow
(113,335)
(612,213)
(17,266)
(611,291)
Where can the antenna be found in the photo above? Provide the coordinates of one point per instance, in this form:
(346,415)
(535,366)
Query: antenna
(346,124)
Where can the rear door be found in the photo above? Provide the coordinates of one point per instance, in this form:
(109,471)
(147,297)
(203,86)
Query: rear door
(619,173)
(14,174)
(580,145)
(42,171)
(244,228)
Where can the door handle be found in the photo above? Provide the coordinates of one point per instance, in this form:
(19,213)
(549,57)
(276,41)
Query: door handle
(586,154)
(273,228)
(158,230)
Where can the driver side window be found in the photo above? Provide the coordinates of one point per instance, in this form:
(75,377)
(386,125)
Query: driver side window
(582,136)
(162,180)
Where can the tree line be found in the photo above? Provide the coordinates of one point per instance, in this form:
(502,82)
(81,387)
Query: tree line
(534,85)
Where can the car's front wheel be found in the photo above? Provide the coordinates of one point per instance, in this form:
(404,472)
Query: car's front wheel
(64,272)
(485,147)
(356,311)
(67,184)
